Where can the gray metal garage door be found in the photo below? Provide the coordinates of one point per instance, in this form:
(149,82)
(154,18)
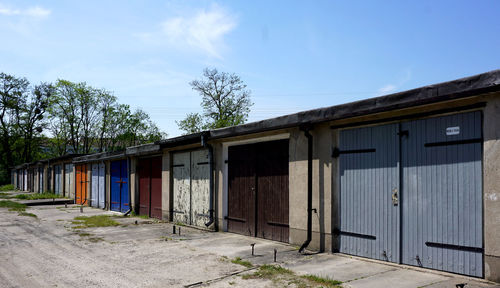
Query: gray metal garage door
(191,172)
(434,219)
(68,181)
(369,175)
(97,194)
(442,193)
(57,180)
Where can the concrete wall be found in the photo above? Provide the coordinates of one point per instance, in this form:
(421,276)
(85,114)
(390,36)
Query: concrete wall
(491,180)
(165,186)
(322,188)
(219,166)
(134,188)
(88,166)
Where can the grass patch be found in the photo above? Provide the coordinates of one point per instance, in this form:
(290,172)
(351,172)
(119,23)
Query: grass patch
(133,214)
(322,281)
(8,187)
(93,221)
(37,196)
(89,237)
(5,195)
(180,224)
(268,272)
(238,261)
(95,239)
(13,206)
(23,213)
(284,277)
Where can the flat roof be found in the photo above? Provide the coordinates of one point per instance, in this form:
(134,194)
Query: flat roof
(99,156)
(456,89)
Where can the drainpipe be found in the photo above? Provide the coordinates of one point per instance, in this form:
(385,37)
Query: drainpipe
(309,137)
(129,193)
(211,188)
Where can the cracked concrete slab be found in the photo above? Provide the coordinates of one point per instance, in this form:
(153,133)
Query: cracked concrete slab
(397,278)
(339,267)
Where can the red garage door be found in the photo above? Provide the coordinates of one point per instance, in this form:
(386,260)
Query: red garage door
(149,170)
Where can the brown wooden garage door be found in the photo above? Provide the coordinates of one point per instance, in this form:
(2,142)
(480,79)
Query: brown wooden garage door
(149,170)
(258,190)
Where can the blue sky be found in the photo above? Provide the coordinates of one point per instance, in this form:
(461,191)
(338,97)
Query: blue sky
(293,55)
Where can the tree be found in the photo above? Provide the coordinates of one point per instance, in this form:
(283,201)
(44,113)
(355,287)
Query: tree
(107,103)
(32,120)
(13,94)
(64,108)
(192,123)
(22,120)
(225,102)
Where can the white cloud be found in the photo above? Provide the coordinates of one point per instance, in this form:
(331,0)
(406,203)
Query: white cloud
(390,88)
(387,89)
(205,30)
(35,11)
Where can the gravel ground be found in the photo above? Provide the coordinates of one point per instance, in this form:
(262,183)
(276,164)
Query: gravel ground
(47,252)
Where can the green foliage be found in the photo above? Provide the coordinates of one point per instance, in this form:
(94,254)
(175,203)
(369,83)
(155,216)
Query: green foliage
(94,221)
(7,187)
(238,261)
(13,206)
(27,214)
(80,119)
(284,277)
(322,281)
(225,102)
(88,119)
(37,196)
(22,120)
(193,123)
(134,214)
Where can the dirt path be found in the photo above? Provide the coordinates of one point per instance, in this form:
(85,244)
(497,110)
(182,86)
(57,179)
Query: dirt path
(45,252)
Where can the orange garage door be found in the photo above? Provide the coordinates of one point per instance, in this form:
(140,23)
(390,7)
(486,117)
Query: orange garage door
(81,185)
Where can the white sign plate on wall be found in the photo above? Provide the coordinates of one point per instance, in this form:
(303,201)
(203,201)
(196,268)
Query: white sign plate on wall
(452,130)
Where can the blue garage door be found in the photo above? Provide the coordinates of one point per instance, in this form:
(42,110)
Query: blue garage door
(119,186)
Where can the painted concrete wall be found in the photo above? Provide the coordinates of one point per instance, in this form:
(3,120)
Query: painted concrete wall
(491,180)
(134,188)
(165,186)
(219,186)
(88,166)
(322,188)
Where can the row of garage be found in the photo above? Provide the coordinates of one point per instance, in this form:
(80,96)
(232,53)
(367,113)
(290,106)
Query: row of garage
(408,178)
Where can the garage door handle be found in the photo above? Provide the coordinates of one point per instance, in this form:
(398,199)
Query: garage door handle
(395,196)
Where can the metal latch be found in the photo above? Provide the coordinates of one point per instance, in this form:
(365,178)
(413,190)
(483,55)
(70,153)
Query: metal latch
(395,196)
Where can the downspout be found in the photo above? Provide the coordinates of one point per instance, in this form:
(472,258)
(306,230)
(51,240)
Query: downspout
(129,193)
(309,186)
(211,181)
